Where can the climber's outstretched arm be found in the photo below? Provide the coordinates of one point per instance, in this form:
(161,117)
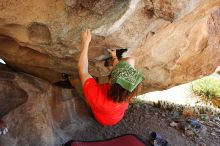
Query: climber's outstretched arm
(114,56)
(83,59)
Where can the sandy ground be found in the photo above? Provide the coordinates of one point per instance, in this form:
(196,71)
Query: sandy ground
(142,119)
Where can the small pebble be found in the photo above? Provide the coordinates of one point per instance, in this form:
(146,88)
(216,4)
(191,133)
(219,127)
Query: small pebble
(174,124)
(217,130)
(216,119)
(209,124)
(213,134)
(189,133)
(204,117)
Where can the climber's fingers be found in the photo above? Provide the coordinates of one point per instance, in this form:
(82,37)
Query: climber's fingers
(112,52)
(88,31)
(86,36)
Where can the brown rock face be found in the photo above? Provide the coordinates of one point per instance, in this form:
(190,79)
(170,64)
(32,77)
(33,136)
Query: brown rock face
(97,6)
(10,100)
(51,116)
(13,99)
(173,42)
(171,9)
(189,49)
(40,114)
(39,33)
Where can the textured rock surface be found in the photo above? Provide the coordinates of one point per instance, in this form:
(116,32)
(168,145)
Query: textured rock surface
(13,99)
(171,9)
(173,42)
(51,116)
(46,114)
(42,37)
(183,51)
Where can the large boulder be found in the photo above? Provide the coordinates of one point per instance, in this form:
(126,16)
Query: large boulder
(47,33)
(10,100)
(38,113)
(51,116)
(183,51)
(42,37)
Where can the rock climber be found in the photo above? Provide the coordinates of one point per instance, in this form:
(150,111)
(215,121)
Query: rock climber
(109,101)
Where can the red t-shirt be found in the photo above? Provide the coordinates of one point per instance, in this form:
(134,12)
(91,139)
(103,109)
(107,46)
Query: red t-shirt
(104,109)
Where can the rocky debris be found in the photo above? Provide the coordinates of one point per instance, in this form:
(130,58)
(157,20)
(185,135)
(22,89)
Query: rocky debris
(195,122)
(198,129)
(157,140)
(189,112)
(174,124)
(204,117)
(191,127)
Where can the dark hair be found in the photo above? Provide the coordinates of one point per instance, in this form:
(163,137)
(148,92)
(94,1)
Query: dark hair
(119,94)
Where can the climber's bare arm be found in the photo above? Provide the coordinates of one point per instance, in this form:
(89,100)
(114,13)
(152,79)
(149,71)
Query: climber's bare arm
(130,60)
(114,56)
(83,59)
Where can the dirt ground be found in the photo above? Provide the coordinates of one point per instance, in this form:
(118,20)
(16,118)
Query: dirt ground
(142,119)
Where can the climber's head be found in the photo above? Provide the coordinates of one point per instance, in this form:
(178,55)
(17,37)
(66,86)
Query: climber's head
(125,81)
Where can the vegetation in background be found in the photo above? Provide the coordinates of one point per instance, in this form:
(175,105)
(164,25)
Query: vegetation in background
(208,88)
